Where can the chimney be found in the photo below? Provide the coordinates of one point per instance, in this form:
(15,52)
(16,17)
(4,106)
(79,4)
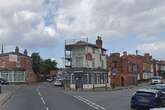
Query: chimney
(99,42)
(137,52)
(125,53)
(147,56)
(25,52)
(2,49)
(17,49)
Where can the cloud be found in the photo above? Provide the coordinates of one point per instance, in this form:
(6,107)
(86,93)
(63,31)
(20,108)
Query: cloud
(44,23)
(152,47)
(22,23)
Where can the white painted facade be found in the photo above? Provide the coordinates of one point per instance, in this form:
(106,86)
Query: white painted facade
(98,57)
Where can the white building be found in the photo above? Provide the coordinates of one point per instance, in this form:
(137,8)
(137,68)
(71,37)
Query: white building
(87,64)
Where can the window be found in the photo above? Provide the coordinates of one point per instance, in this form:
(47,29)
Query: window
(93,63)
(102,63)
(79,61)
(129,67)
(135,68)
(19,76)
(4,75)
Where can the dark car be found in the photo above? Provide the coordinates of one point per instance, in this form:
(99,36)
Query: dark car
(3,81)
(160,87)
(148,98)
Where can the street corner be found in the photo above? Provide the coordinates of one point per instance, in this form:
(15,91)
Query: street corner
(7,91)
(4,97)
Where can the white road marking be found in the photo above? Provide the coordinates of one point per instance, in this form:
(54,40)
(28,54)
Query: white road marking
(39,94)
(93,103)
(47,108)
(86,102)
(42,99)
(90,103)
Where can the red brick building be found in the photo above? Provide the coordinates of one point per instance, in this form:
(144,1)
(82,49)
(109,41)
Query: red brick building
(129,69)
(16,67)
(159,68)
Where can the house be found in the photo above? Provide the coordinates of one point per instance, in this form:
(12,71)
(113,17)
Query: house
(16,67)
(159,68)
(86,63)
(129,69)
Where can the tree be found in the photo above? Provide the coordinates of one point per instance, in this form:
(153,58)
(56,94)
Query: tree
(47,65)
(42,66)
(36,61)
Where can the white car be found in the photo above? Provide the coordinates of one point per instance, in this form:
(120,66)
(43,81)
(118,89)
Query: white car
(156,80)
(58,82)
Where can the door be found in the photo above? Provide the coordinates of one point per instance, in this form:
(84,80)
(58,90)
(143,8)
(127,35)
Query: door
(122,81)
(79,82)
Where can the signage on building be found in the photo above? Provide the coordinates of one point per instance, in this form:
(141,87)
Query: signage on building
(88,56)
(12,58)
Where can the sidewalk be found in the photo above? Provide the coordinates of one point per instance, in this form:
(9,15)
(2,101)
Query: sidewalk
(7,92)
(102,89)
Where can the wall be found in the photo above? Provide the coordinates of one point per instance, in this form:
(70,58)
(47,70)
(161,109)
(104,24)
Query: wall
(97,61)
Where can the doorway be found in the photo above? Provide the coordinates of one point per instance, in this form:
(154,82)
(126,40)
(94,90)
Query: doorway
(122,81)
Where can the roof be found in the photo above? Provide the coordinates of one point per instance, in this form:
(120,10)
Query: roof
(148,90)
(13,53)
(82,43)
(12,69)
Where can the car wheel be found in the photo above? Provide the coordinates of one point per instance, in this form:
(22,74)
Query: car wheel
(133,106)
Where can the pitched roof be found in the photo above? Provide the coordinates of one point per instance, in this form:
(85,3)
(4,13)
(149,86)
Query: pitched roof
(13,53)
(83,43)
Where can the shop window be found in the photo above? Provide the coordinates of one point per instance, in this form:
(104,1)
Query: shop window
(4,75)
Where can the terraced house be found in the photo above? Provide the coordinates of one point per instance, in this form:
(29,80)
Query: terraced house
(16,67)
(129,69)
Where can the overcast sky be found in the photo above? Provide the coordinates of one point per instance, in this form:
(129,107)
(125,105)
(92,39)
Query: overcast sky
(43,25)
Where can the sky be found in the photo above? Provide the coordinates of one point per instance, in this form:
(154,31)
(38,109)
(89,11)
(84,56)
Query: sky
(44,25)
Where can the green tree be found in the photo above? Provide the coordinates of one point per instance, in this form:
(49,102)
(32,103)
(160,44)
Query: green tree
(36,62)
(42,66)
(47,65)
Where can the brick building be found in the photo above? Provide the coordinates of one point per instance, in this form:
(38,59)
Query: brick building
(16,67)
(129,69)
(159,68)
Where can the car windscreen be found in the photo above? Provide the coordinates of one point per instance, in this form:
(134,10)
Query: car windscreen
(158,87)
(145,94)
(156,78)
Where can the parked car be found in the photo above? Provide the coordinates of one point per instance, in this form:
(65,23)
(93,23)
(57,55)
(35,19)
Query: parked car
(58,82)
(160,87)
(157,109)
(50,79)
(149,98)
(156,80)
(3,81)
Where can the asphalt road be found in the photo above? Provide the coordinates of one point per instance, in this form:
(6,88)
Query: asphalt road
(114,100)
(44,97)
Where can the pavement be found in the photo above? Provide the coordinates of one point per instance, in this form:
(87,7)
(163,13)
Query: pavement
(7,91)
(44,96)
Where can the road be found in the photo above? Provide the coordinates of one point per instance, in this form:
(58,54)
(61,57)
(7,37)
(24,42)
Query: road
(45,96)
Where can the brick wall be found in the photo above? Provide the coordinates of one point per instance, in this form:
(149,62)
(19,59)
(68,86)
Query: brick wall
(127,68)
